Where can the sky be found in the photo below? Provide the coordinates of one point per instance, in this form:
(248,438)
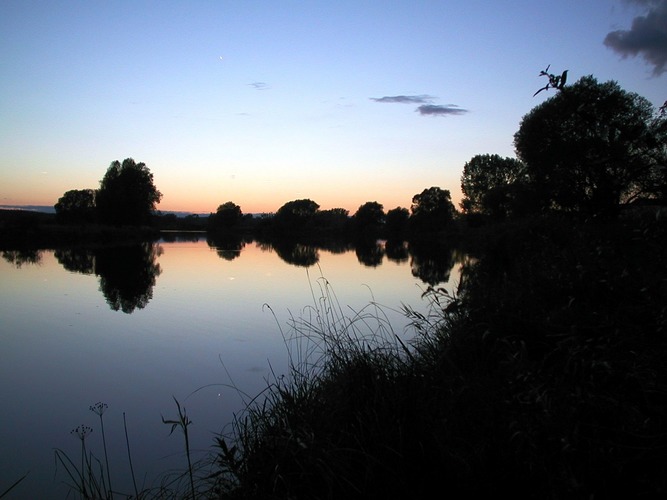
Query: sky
(265,102)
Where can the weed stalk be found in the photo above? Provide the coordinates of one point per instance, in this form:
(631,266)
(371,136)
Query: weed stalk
(183,422)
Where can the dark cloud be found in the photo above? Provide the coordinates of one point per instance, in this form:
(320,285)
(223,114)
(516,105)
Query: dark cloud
(404,99)
(440,110)
(647,36)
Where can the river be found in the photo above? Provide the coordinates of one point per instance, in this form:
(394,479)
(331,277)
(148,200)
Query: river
(134,327)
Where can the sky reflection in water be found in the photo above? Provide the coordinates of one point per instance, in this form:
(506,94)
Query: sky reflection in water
(66,344)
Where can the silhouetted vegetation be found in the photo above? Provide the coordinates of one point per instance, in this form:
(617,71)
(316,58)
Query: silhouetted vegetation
(368,220)
(592,148)
(33,230)
(127,195)
(495,188)
(545,377)
(77,207)
(432,213)
(227,218)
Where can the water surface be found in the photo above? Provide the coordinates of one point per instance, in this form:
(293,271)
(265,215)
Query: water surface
(135,327)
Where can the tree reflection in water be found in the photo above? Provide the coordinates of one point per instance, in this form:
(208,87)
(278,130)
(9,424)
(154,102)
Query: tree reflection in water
(369,254)
(297,254)
(397,251)
(432,263)
(228,246)
(20,257)
(77,260)
(127,273)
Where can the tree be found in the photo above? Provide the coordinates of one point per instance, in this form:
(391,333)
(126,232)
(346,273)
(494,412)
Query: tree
(333,221)
(396,222)
(369,217)
(127,194)
(591,147)
(76,206)
(491,185)
(432,211)
(295,215)
(228,216)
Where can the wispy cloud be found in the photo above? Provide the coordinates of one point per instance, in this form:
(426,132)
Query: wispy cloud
(646,37)
(404,99)
(259,85)
(440,110)
(427,107)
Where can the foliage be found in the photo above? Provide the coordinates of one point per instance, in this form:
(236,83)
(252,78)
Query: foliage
(127,194)
(296,215)
(183,421)
(76,206)
(396,222)
(87,478)
(333,222)
(228,216)
(592,147)
(492,186)
(432,211)
(369,218)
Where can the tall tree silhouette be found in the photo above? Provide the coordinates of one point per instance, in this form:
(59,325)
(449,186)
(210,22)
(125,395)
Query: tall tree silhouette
(127,194)
(592,147)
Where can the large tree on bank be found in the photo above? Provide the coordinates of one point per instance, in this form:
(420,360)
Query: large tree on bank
(592,147)
(127,194)
(493,186)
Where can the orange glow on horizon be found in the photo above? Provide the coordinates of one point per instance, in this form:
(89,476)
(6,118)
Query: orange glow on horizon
(349,202)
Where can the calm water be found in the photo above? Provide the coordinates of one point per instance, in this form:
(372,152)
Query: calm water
(134,327)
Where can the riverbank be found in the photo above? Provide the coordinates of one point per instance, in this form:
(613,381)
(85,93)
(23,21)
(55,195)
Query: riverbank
(546,377)
(33,230)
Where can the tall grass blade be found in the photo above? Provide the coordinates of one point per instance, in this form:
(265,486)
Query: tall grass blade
(16,483)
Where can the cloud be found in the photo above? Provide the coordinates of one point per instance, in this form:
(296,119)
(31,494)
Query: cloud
(647,36)
(440,110)
(426,108)
(404,99)
(259,85)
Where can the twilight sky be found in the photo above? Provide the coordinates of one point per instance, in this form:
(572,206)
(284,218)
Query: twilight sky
(264,102)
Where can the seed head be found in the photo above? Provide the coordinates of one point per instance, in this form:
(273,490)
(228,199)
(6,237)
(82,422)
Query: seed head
(99,408)
(82,431)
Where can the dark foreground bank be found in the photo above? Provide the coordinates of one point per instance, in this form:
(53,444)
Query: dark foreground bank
(545,378)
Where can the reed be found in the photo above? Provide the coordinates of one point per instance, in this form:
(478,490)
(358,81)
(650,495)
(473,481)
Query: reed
(88,478)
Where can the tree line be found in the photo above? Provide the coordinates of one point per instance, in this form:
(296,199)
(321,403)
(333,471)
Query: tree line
(589,150)
(127,196)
